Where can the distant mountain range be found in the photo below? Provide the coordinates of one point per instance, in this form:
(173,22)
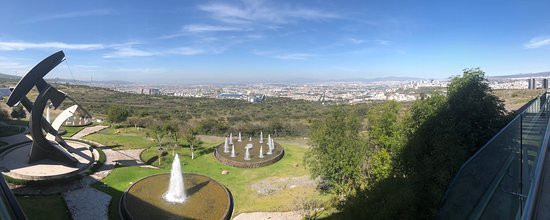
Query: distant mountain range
(522,75)
(10,77)
(70,81)
(293,80)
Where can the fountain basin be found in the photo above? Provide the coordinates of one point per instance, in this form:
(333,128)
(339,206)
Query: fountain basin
(206,199)
(255,161)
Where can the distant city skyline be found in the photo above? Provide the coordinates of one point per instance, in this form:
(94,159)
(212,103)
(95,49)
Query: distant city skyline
(269,41)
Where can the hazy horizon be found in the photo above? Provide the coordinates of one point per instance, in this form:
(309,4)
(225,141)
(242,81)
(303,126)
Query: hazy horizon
(270,41)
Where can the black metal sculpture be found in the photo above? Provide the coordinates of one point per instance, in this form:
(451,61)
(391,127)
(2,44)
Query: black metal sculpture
(56,148)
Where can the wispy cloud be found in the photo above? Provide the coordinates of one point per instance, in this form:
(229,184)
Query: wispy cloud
(74,14)
(354,40)
(294,56)
(538,42)
(259,11)
(11,66)
(383,42)
(198,28)
(19,45)
(283,56)
(129,51)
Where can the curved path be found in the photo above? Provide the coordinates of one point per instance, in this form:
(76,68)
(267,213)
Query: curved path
(88,130)
(84,201)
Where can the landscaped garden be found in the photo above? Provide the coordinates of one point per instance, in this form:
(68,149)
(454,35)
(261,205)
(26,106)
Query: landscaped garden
(123,138)
(258,189)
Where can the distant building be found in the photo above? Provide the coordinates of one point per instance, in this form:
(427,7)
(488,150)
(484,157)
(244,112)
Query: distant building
(154,91)
(545,83)
(252,98)
(532,84)
(230,96)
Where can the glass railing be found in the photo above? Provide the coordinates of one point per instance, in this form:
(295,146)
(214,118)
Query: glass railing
(495,182)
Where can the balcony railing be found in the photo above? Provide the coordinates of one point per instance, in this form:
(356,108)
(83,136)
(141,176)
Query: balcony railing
(500,181)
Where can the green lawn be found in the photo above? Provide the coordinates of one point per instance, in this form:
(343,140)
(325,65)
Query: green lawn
(238,180)
(122,138)
(44,207)
(3,143)
(71,130)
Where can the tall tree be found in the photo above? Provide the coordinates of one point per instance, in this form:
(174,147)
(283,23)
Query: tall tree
(337,150)
(117,113)
(443,133)
(385,139)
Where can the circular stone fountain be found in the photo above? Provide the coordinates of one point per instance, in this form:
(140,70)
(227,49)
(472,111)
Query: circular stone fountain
(253,160)
(157,197)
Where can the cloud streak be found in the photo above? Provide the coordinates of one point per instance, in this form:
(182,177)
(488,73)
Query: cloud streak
(284,56)
(129,51)
(253,11)
(16,45)
(74,14)
(537,43)
(198,28)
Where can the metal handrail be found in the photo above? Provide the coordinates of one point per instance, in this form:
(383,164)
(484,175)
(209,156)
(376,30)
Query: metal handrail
(460,170)
(530,205)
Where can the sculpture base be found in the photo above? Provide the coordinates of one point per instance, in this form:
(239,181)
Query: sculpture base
(13,163)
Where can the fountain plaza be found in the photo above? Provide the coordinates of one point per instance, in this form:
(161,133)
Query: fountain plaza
(249,153)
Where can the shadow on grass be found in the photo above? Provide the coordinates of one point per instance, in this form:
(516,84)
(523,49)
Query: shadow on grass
(151,160)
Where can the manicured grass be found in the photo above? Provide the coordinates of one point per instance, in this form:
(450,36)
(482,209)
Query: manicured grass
(10,130)
(122,138)
(71,130)
(238,181)
(3,143)
(44,207)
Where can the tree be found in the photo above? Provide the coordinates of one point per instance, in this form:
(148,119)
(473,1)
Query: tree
(191,138)
(173,131)
(440,133)
(444,132)
(385,139)
(157,133)
(337,150)
(18,112)
(117,113)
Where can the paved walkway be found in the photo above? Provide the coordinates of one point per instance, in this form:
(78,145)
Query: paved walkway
(96,204)
(87,203)
(88,130)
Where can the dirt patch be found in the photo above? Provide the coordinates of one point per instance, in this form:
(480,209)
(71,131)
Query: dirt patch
(270,186)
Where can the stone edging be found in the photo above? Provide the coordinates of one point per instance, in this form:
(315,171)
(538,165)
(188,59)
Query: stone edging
(249,164)
(124,214)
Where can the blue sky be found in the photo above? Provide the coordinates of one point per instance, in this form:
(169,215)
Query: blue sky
(254,40)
